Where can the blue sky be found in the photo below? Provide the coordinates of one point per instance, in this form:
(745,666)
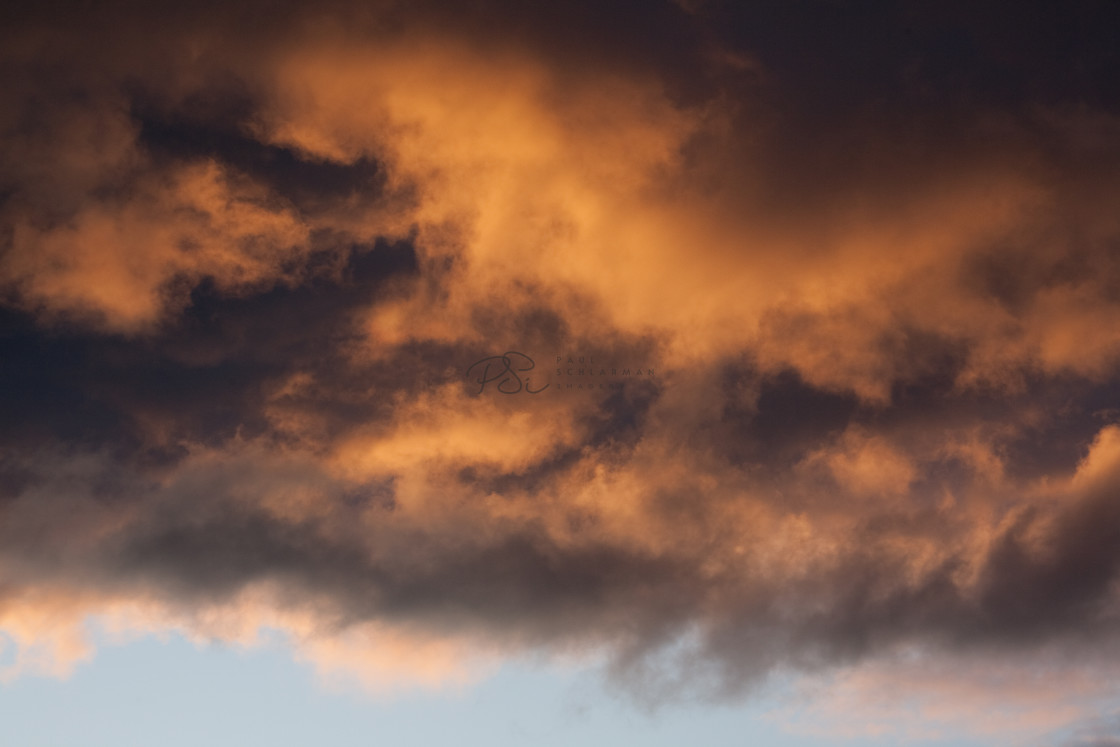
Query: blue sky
(176,693)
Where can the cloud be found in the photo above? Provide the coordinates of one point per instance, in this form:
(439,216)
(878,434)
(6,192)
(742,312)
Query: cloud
(915,698)
(863,315)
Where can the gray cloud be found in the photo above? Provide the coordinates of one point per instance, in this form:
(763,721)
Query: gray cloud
(247,259)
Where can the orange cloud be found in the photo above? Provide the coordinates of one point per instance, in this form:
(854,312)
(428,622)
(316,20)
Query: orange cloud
(251,276)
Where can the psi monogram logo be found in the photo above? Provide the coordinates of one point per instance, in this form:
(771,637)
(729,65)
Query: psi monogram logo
(506,372)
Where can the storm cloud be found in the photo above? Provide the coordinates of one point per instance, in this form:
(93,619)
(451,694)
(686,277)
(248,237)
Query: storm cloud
(820,303)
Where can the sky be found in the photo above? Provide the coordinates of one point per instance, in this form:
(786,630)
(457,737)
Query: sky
(731,372)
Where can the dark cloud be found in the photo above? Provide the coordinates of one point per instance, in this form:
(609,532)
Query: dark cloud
(203,375)
(305,183)
(249,254)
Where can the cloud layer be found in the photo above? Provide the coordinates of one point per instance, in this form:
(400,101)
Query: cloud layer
(858,262)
